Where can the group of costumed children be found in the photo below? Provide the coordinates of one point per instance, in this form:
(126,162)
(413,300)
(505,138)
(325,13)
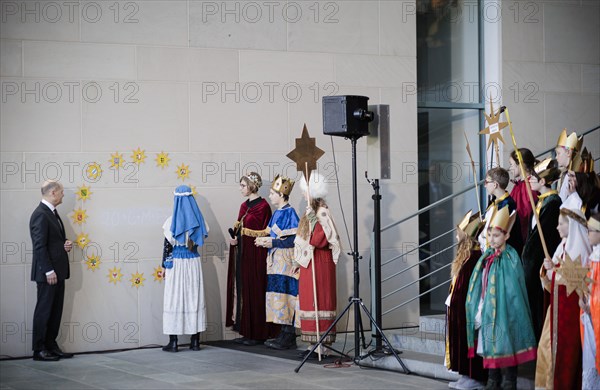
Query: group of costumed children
(281,273)
(509,303)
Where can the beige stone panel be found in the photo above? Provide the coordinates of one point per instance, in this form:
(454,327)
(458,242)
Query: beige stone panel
(527,113)
(398,30)
(590,79)
(135,22)
(237,25)
(205,169)
(13,177)
(284,67)
(151,304)
(13,279)
(571,43)
(403,117)
(16,208)
(334,27)
(178,64)
(522,31)
(75,61)
(374,71)
(575,112)
(150,115)
(101,315)
(40,20)
(531,77)
(10,58)
(40,115)
(222,113)
(75,170)
(215,276)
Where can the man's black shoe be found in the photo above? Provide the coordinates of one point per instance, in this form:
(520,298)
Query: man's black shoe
(61,354)
(252,342)
(240,340)
(45,356)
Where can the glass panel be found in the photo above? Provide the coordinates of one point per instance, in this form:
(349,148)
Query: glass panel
(448,51)
(444,168)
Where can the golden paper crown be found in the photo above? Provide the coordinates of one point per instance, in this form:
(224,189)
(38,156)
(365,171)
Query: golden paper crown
(593,224)
(283,185)
(547,170)
(471,224)
(583,162)
(571,142)
(503,220)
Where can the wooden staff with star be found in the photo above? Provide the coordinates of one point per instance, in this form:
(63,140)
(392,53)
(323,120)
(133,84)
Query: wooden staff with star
(494,129)
(474,175)
(305,155)
(527,185)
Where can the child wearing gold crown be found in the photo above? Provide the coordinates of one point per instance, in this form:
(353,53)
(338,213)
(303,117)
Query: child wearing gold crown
(590,305)
(498,317)
(558,363)
(282,275)
(566,149)
(548,208)
(467,255)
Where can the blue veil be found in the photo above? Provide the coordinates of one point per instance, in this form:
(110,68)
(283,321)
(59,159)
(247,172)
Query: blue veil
(187,217)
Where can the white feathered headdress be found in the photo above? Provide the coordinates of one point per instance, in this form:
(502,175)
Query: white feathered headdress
(318,186)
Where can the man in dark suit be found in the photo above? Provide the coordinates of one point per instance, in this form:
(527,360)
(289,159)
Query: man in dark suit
(49,269)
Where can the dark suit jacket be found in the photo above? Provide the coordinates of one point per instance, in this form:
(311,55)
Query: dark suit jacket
(48,241)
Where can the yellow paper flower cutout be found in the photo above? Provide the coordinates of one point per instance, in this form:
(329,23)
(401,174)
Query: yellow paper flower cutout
(194,192)
(83,193)
(137,279)
(93,262)
(79,216)
(139,156)
(116,160)
(114,275)
(82,240)
(162,159)
(159,274)
(93,171)
(183,171)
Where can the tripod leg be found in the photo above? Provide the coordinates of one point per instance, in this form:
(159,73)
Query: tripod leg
(324,336)
(373,323)
(362,331)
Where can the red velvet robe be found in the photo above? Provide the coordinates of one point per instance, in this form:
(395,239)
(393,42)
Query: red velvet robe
(247,275)
(519,194)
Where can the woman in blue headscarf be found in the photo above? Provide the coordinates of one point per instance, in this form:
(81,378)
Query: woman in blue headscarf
(184,310)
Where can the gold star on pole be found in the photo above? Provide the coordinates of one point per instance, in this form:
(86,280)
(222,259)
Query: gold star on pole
(494,128)
(574,274)
(306,153)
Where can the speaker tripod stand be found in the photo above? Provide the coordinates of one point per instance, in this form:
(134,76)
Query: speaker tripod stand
(355,301)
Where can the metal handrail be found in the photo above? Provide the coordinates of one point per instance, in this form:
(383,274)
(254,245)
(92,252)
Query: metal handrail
(423,210)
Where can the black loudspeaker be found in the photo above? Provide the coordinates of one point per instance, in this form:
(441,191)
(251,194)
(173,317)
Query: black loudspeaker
(346,116)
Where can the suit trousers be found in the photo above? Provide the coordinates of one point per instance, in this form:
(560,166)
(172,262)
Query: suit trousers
(47,315)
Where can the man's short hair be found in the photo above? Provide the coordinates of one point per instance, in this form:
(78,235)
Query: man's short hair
(500,176)
(49,186)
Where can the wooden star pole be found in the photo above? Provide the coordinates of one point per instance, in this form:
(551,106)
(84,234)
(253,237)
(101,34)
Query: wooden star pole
(527,185)
(474,176)
(305,155)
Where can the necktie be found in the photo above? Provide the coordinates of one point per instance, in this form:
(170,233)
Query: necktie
(62,227)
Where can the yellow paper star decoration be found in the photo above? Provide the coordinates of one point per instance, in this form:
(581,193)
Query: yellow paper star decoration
(82,240)
(158,274)
(162,159)
(79,216)
(494,128)
(183,171)
(114,275)
(139,156)
(116,160)
(83,193)
(137,279)
(194,192)
(93,262)
(93,171)
(574,275)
